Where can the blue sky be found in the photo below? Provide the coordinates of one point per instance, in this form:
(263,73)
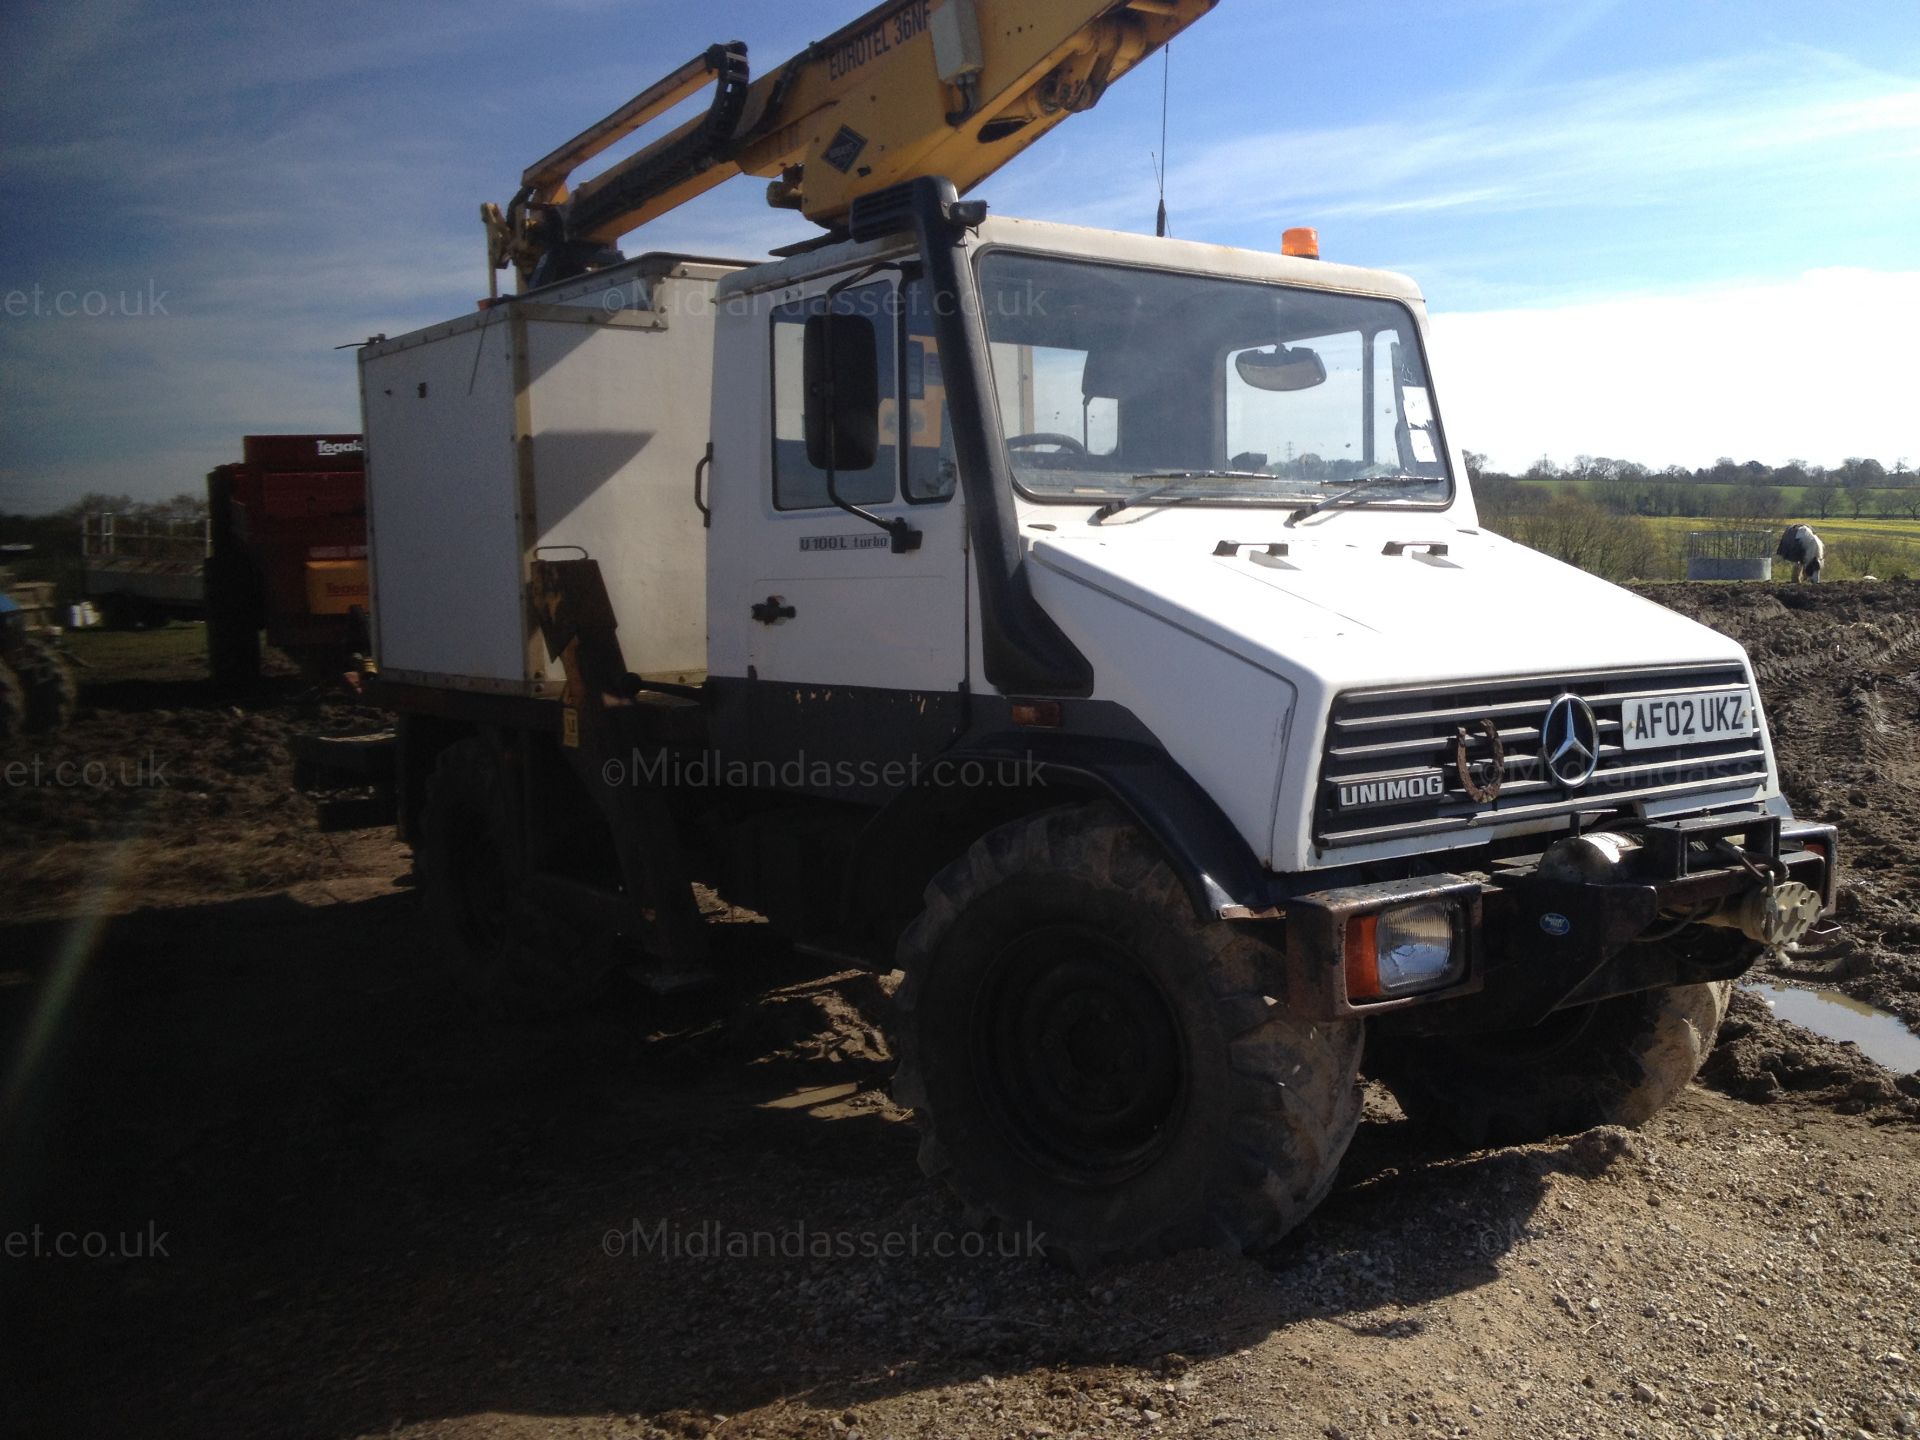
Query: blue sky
(1667,232)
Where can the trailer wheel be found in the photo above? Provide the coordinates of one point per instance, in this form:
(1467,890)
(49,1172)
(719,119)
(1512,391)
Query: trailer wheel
(1617,1062)
(52,693)
(233,630)
(13,703)
(118,610)
(1088,1060)
(492,943)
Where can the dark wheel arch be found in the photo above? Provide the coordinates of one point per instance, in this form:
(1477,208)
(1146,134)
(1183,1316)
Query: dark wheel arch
(923,829)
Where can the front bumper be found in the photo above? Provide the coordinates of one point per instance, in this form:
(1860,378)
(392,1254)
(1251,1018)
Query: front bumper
(1535,943)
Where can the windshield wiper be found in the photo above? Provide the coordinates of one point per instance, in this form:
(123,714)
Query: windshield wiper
(1171,481)
(1347,497)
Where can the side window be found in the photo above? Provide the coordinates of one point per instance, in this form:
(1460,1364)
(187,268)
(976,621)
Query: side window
(798,485)
(933,472)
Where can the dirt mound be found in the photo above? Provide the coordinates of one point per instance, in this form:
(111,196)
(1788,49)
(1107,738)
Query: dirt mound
(1758,1059)
(164,793)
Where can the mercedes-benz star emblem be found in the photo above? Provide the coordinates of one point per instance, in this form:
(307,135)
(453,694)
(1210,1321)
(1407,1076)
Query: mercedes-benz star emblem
(1570,742)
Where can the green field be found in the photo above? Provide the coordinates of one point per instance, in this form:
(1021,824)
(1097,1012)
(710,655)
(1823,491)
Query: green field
(1887,549)
(1640,547)
(171,652)
(1832,532)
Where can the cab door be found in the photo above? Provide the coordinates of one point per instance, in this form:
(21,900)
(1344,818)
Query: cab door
(854,653)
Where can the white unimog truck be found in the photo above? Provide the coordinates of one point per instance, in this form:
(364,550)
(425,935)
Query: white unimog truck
(1098,629)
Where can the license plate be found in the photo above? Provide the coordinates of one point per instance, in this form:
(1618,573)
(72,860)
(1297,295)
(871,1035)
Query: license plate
(1686,719)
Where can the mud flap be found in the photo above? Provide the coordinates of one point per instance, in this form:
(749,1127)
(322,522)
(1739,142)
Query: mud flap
(576,620)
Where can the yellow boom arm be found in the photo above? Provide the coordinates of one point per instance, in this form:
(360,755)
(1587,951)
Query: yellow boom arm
(924,87)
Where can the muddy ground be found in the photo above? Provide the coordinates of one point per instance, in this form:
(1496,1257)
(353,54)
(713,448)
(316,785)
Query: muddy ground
(1839,673)
(333,1205)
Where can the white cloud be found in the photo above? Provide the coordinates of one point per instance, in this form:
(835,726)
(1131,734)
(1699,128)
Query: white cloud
(1816,368)
(1772,119)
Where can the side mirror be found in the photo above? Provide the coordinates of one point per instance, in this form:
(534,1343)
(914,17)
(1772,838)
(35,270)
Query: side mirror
(1282,369)
(842,380)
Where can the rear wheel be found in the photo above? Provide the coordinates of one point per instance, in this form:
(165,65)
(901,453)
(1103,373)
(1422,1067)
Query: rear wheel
(1088,1059)
(1617,1062)
(118,611)
(493,943)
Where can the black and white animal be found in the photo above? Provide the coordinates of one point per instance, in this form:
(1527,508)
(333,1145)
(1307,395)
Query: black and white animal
(1802,548)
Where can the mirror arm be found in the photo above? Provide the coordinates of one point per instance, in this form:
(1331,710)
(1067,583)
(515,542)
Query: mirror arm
(906,539)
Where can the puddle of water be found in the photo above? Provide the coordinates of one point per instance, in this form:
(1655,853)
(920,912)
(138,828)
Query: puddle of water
(1880,1036)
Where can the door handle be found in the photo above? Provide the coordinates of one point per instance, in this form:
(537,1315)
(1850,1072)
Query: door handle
(773,611)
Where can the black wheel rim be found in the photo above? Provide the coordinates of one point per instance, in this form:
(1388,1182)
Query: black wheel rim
(1080,1056)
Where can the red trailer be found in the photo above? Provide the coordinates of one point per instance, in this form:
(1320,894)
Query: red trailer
(288,553)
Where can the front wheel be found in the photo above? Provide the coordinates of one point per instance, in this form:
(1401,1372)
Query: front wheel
(1615,1062)
(1089,1060)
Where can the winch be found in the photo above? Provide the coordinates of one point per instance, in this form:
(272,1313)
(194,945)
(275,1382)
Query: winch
(1776,912)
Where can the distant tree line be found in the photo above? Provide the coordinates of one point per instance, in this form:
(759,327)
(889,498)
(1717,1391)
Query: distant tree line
(1855,488)
(1600,514)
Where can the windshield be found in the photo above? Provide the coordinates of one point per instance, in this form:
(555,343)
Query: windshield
(1162,388)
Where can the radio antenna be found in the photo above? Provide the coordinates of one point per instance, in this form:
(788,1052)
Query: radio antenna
(1160,160)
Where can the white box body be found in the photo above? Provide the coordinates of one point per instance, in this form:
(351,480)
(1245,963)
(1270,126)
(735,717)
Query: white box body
(570,420)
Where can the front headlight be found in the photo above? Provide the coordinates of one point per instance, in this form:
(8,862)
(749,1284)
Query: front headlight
(1415,947)
(1404,951)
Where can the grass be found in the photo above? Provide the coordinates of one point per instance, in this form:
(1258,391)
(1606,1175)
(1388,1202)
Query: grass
(171,652)
(1830,531)
(1889,549)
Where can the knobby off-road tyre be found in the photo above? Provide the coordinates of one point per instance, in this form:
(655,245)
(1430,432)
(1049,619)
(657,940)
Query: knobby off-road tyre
(52,693)
(491,943)
(1087,1059)
(1618,1062)
(13,703)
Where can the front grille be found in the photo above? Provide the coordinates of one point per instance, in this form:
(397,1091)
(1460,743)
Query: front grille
(1401,739)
